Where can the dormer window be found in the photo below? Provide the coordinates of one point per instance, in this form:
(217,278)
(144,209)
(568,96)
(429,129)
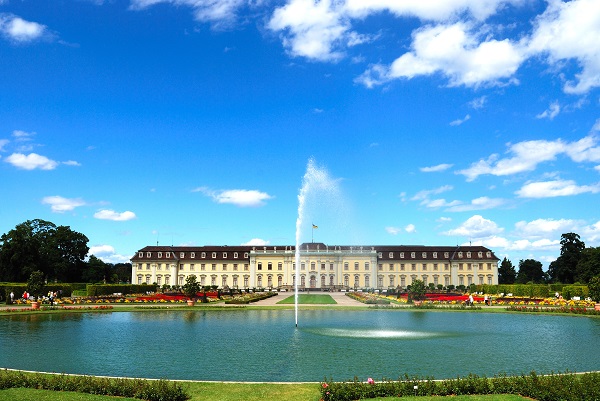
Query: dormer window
(446,255)
(182,255)
(435,255)
(391,255)
(235,255)
(214,255)
(193,255)
(424,255)
(469,255)
(401,255)
(168,254)
(224,255)
(203,255)
(489,254)
(380,255)
(480,254)
(141,254)
(245,255)
(412,255)
(148,254)
(160,254)
(460,254)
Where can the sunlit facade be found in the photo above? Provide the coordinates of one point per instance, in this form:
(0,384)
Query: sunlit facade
(322,267)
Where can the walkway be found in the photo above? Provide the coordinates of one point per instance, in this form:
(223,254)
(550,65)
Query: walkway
(339,297)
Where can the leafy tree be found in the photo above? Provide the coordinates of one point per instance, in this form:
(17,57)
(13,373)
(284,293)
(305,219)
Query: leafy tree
(416,291)
(530,270)
(191,287)
(58,252)
(506,272)
(95,270)
(588,265)
(594,287)
(35,284)
(563,269)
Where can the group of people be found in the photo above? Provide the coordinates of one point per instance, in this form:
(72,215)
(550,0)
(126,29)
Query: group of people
(52,295)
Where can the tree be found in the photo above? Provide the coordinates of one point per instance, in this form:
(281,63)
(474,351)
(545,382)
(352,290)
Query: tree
(588,265)
(562,270)
(530,270)
(95,270)
(191,287)
(594,287)
(506,272)
(416,291)
(35,284)
(58,252)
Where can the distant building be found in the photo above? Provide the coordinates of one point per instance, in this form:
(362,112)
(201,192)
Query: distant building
(321,266)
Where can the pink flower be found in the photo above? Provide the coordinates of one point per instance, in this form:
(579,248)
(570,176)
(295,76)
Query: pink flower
(370,381)
(325,385)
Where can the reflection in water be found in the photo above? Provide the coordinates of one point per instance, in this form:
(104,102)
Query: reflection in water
(259,345)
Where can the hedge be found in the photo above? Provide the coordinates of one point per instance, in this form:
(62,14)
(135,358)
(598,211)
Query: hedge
(554,387)
(150,390)
(95,290)
(19,288)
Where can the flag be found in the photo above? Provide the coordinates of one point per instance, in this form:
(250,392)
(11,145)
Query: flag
(315,226)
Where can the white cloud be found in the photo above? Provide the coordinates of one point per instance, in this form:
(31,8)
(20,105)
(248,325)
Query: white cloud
(456,52)
(219,13)
(540,228)
(475,227)
(3,143)
(551,112)
(256,242)
(107,254)
(570,31)
(482,203)
(425,194)
(410,228)
(58,204)
(550,189)
(439,203)
(71,163)
(31,161)
(107,214)
(238,197)
(393,230)
(435,169)
(526,155)
(460,121)
(478,103)
(20,30)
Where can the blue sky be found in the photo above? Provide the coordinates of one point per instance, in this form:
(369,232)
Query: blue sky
(192,122)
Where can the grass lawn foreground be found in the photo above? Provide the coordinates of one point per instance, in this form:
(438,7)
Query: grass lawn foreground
(310,299)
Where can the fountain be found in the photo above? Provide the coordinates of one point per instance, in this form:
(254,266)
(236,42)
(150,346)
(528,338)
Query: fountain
(315,181)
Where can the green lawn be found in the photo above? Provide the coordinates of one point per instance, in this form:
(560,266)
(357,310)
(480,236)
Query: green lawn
(232,392)
(307,299)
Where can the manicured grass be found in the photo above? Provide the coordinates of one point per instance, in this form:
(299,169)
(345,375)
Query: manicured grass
(304,299)
(30,394)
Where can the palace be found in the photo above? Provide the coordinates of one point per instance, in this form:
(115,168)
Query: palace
(322,267)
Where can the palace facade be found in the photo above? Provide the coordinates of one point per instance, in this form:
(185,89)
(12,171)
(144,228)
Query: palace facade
(322,267)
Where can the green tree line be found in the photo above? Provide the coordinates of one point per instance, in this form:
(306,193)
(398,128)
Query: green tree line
(576,264)
(59,252)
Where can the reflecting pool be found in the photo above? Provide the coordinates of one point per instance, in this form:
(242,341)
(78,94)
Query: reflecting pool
(264,345)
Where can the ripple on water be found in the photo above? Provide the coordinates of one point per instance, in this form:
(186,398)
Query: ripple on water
(376,333)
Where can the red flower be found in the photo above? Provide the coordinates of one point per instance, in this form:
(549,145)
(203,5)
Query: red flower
(324,385)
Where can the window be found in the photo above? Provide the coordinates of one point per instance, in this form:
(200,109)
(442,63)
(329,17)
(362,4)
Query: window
(139,279)
(435,266)
(355,265)
(367,281)
(460,254)
(147,266)
(312,266)
(391,281)
(168,254)
(424,266)
(380,267)
(379,281)
(193,255)
(435,280)
(191,267)
(446,281)
(224,266)
(235,267)
(402,266)
(345,265)
(269,266)
(412,255)
(489,266)
(446,255)
(424,255)
(167,280)
(148,254)
(235,255)
(367,266)
(235,281)
(214,267)
(356,281)
(480,255)
(469,255)
(246,255)
(246,267)
(182,255)
(401,255)
(391,267)
(322,266)
(181,266)
(224,255)
(160,254)
(460,266)
(141,254)
(331,267)
(159,266)
(279,281)
(435,255)
(203,255)
(446,266)
(380,255)
(279,266)
(346,280)
(413,267)
(159,280)
(403,281)
(213,280)
(488,254)
(214,255)
(469,266)
(259,266)
(246,281)
(302,266)
(391,255)
(224,281)
(202,267)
